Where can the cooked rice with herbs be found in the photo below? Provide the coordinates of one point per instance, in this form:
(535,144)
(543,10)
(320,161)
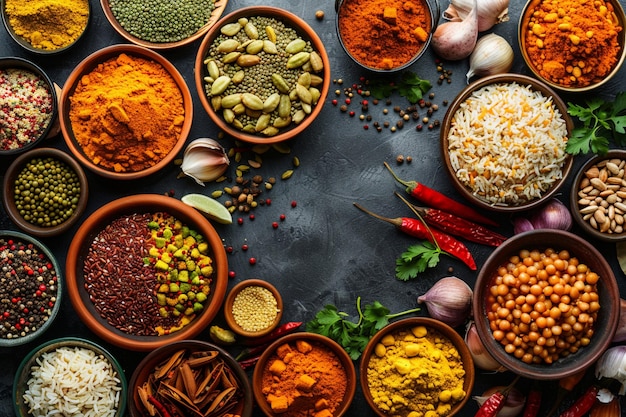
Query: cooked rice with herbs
(507,144)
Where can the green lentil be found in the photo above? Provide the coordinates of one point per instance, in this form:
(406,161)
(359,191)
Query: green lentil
(46,192)
(162,21)
(254,308)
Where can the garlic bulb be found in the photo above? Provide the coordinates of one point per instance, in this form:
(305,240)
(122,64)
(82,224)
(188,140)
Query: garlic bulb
(455,40)
(204,160)
(490,12)
(448,300)
(491,55)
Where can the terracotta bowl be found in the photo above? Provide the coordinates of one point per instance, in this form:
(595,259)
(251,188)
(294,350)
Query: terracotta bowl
(23,374)
(406,325)
(446,127)
(24,43)
(525,35)
(605,324)
(57,292)
(268,356)
(23,64)
(147,366)
(8,197)
(220,5)
(230,299)
(76,278)
(88,65)
(201,73)
(577,195)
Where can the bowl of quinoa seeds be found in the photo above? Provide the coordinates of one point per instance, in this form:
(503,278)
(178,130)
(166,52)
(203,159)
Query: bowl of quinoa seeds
(28,105)
(30,288)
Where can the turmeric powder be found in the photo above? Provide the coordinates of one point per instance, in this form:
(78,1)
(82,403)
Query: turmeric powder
(127,113)
(48,24)
(415,372)
(572,43)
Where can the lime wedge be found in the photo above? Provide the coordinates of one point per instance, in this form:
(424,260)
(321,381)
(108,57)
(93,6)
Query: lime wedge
(210,207)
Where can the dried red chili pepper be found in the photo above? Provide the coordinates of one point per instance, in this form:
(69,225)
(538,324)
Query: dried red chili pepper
(566,385)
(440,201)
(250,362)
(496,401)
(583,404)
(160,407)
(533,403)
(281,330)
(251,351)
(417,228)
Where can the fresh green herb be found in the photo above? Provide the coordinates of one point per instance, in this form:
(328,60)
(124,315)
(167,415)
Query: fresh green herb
(353,336)
(602,122)
(410,86)
(416,259)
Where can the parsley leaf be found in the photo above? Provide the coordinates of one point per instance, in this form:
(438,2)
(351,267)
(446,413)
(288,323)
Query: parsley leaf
(416,260)
(352,336)
(410,86)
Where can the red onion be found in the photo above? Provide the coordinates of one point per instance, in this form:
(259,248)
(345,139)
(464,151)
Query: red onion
(553,215)
(448,300)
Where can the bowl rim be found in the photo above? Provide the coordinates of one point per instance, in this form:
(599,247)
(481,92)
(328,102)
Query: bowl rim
(87,65)
(544,238)
(62,342)
(507,78)
(8,198)
(298,24)
(59,293)
(439,326)
(125,205)
(42,52)
(154,357)
(585,226)
(230,298)
(23,63)
(521,37)
(220,5)
(333,346)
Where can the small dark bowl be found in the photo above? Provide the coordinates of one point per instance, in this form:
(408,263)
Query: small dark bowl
(429,323)
(312,338)
(20,383)
(575,197)
(143,203)
(8,197)
(23,64)
(228,307)
(19,236)
(20,40)
(220,5)
(523,81)
(154,358)
(605,325)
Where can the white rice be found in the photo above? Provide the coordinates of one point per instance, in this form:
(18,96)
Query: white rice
(507,143)
(72,382)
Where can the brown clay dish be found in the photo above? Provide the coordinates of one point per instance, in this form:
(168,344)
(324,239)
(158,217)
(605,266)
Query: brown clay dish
(228,307)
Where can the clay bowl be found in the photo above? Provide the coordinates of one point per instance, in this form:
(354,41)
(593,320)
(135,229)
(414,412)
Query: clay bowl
(88,65)
(55,294)
(43,131)
(49,49)
(526,37)
(605,324)
(405,325)
(218,9)
(248,132)
(229,312)
(147,366)
(495,152)
(136,339)
(23,374)
(617,156)
(8,197)
(316,340)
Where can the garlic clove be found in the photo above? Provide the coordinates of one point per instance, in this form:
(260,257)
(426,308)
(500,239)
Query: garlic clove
(482,358)
(490,12)
(204,160)
(448,300)
(491,55)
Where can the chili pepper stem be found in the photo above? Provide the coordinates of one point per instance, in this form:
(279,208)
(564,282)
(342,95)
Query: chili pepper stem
(395,222)
(409,184)
(419,216)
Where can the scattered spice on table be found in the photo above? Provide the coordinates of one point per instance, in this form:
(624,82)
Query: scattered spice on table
(26,107)
(28,288)
(127,113)
(572,43)
(48,24)
(384,34)
(304,378)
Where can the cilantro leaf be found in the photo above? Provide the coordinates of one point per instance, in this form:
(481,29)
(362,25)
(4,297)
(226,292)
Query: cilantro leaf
(410,86)
(416,260)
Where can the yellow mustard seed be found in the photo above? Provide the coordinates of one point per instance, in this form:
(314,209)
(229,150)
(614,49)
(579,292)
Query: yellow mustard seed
(254,308)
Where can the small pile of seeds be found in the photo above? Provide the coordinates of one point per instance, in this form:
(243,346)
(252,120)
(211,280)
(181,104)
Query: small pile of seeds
(254,308)
(28,288)
(46,192)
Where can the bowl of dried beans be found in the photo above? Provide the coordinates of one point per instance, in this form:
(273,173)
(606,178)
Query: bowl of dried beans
(146,270)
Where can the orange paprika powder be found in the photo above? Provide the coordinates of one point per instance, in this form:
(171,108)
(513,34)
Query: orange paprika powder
(304,379)
(384,34)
